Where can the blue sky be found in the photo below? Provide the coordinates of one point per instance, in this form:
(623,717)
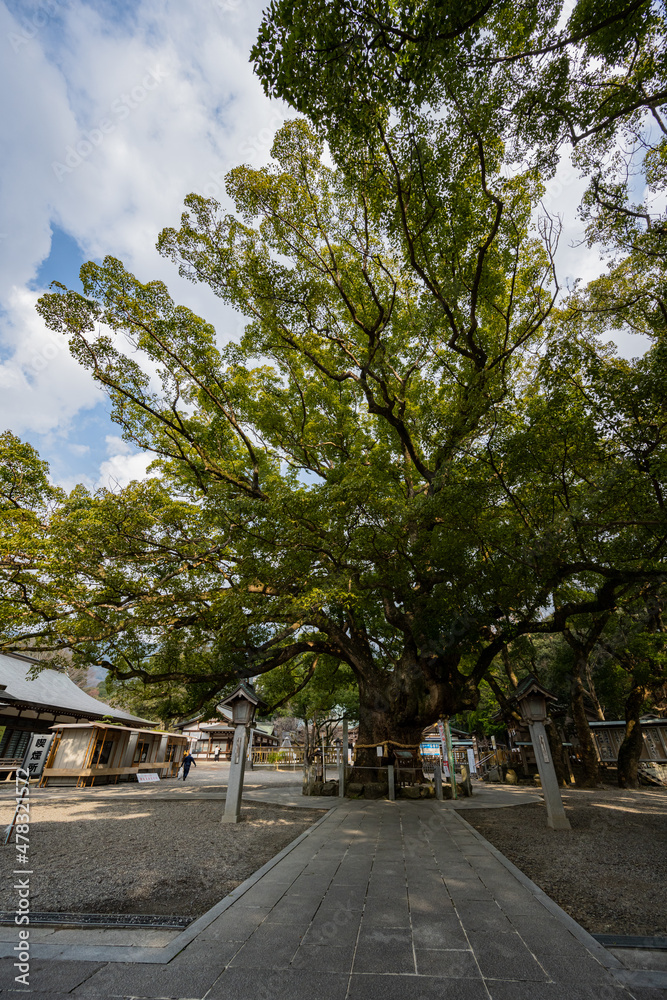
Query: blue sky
(116,111)
(63,263)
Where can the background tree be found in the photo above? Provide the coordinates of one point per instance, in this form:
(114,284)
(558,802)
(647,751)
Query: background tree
(542,74)
(582,638)
(639,645)
(318,691)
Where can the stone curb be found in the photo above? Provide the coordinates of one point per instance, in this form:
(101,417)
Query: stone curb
(163,955)
(599,952)
(626,977)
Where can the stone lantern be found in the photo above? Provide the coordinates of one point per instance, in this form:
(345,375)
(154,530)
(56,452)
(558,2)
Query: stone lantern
(243,703)
(532,700)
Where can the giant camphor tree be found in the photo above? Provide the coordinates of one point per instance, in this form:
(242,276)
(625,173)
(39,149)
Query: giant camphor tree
(412,457)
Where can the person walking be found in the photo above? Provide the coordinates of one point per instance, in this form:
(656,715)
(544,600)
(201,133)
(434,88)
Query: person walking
(217,754)
(187,761)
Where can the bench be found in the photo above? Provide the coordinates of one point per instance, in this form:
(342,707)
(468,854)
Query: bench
(10,765)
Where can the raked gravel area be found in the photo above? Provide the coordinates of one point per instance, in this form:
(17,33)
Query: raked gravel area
(609,871)
(132,854)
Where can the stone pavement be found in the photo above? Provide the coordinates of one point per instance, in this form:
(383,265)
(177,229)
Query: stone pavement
(208,781)
(379,901)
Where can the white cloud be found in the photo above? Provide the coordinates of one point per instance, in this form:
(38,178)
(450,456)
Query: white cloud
(123,465)
(42,387)
(118,111)
(111,125)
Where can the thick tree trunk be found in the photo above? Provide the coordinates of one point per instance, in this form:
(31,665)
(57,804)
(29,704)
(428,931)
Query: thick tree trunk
(599,711)
(583,647)
(396,706)
(386,722)
(631,748)
(587,750)
(386,730)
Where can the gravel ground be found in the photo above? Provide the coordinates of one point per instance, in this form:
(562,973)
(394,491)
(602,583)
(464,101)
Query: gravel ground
(166,857)
(609,872)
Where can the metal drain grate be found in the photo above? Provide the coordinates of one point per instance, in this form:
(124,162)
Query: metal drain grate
(129,920)
(626,941)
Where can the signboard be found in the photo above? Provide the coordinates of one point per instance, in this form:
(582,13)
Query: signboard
(379,751)
(36,754)
(443,745)
(148,776)
(544,749)
(471,760)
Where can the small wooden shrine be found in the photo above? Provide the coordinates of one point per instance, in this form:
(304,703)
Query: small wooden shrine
(88,752)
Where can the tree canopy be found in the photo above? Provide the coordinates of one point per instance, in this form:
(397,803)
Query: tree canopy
(538,73)
(417,453)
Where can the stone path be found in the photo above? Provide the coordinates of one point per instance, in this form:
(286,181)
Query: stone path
(209,781)
(380,901)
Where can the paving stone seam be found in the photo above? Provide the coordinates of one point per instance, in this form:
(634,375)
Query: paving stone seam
(368,818)
(461,924)
(549,979)
(162,956)
(364,815)
(407,890)
(597,951)
(338,866)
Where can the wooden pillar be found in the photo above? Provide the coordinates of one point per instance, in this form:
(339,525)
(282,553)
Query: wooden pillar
(437,780)
(391,783)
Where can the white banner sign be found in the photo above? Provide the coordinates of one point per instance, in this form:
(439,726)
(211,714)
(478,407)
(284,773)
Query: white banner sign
(148,776)
(38,750)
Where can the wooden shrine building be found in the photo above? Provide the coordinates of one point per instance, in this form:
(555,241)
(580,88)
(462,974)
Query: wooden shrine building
(88,752)
(30,707)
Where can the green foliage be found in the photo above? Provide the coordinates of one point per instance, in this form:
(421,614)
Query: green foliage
(312,688)
(485,718)
(539,73)
(416,455)
(27,500)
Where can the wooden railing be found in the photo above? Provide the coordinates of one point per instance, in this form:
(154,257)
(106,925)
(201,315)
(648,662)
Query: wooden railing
(280,755)
(292,756)
(10,764)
